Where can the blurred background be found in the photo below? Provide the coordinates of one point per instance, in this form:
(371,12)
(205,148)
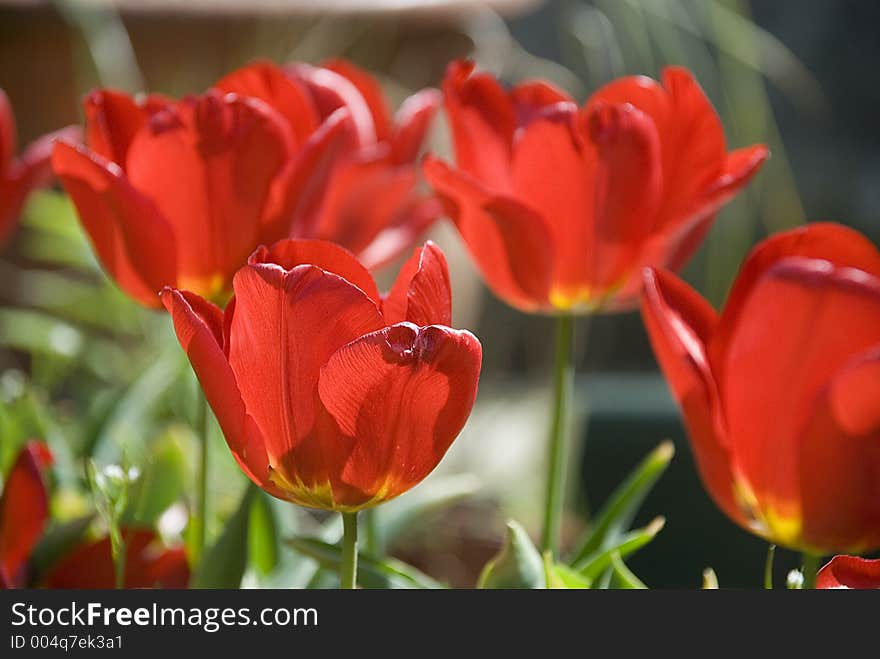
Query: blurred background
(77,360)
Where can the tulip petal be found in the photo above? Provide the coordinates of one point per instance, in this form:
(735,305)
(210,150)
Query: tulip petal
(404,393)
(802,320)
(209,165)
(414,218)
(511,244)
(112,120)
(131,238)
(531,99)
(269,83)
(849,572)
(679,324)
(363,197)
(24,510)
(838,478)
(412,123)
(8,135)
(422,293)
(370,91)
(147,565)
(483,123)
(822,240)
(328,256)
(300,190)
(855,395)
(200,329)
(332,92)
(286,325)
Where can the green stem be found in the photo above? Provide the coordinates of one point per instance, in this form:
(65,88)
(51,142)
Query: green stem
(120,553)
(201,513)
(768,567)
(563,385)
(348,567)
(809,569)
(371,539)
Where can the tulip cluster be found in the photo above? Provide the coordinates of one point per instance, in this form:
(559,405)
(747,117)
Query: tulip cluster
(255,212)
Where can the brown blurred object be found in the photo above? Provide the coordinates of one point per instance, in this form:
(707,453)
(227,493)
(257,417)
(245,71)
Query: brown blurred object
(53,53)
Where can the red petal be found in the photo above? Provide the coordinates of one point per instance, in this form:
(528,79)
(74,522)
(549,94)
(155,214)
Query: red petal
(200,329)
(328,256)
(679,324)
(112,120)
(209,167)
(24,510)
(363,197)
(411,124)
(510,243)
(565,200)
(147,565)
(850,572)
(823,240)
(8,135)
(369,89)
(331,92)
(802,320)
(414,218)
(483,122)
(286,325)
(421,294)
(855,395)
(838,475)
(300,191)
(403,394)
(269,83)
(133,241)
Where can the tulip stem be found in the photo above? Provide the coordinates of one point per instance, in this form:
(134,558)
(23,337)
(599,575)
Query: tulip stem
(559,430)
(810,567)
(768,567)
(348,567)
(200,519)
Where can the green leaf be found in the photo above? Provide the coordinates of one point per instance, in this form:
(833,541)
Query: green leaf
(517,565)
(162,483)
(56,542)
(623,577)
(224,563)
(263,535)
(594,564)
(372,572)
(562,577)
(620,509)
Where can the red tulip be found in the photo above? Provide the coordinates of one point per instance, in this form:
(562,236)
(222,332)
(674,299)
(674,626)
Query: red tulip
(372,205)
(561,206)
(19,176)
(24,509)
(781,391)
(179,193)
(329,394)
(147,564)
(849,572)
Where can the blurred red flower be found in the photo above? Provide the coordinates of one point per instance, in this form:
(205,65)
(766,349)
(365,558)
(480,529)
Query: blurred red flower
(781,391)
(180,192)
(19,176)
(849,572)
(372,206)
(329,394)
(24,510)
(148,564)
(562,206)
